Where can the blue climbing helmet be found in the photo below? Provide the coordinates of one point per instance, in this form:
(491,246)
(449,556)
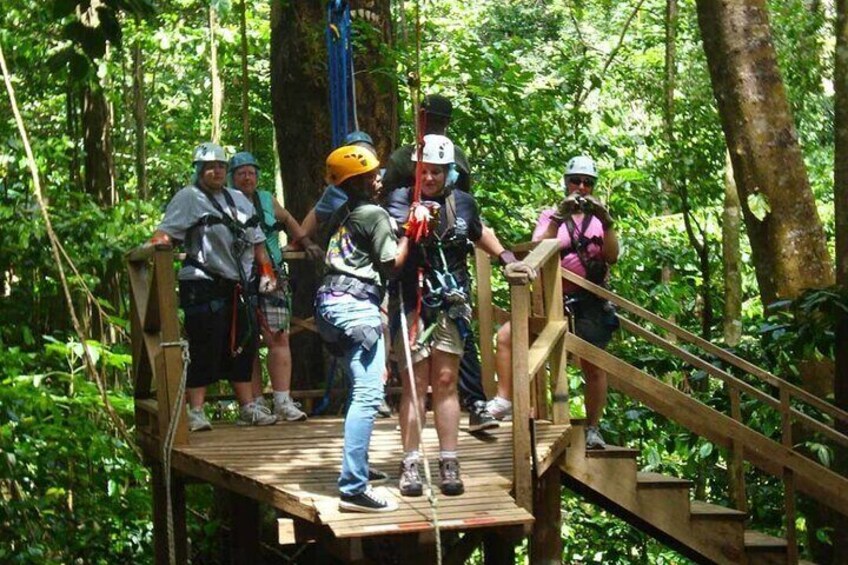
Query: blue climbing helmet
(358,136)
(241,159)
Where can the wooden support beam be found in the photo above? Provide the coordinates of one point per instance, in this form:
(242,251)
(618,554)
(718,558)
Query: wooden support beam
(498,549)
(245,528)
(546,540)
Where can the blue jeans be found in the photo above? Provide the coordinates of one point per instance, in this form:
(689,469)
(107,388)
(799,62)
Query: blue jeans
(363,361)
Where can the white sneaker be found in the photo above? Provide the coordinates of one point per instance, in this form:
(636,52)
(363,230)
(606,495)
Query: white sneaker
(289,411)
(500,409)
(260,401)
(594,439)
(197,421)
(255,415)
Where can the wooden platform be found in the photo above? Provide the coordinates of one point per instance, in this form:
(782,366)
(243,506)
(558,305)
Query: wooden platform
(294,467)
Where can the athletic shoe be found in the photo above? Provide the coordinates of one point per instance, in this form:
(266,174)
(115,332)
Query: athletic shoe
(254,415)
(376,476)
(449,473)
(594,439)
(500,409)
(479,418)
(367,501)
(197,421)
(410,478)
(260,401)
(289,411)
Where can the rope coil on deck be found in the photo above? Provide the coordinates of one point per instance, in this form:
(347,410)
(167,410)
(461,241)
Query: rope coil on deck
(168,444)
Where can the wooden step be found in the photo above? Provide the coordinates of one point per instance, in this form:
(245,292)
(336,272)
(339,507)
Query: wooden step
(759,541)
(612,452)
(708,511)
(646,480)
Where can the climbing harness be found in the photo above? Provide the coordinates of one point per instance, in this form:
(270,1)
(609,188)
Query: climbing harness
(168,444)
(241,302)
(340,70)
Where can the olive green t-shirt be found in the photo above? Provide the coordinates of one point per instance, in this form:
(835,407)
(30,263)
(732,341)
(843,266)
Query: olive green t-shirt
(362,243)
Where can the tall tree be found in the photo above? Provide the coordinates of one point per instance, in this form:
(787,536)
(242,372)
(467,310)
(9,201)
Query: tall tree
(731,260)
(245,81)
(787,239)
(139,117)
(217,86)
(299,93)
(840,183)
(786,234)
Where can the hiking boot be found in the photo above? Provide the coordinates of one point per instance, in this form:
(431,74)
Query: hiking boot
(384,410)
(449,473)
(376,476)
(289,411)
(367,501)
(255,415)
(500,409)
(479,418)
(197,421)
(410,479)
(594,439)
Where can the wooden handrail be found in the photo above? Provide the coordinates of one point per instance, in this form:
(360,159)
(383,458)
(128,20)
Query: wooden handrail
(731,381)
(773,380)
(773,457)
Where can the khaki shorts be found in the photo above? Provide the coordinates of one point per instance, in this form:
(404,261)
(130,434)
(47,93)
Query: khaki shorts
(444,337)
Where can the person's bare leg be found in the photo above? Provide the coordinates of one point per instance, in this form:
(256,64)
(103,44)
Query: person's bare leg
(244,392)
(256,378)
(444,372)
(503,361)
(596,391)
(279,361)
(196,396)
(408,426)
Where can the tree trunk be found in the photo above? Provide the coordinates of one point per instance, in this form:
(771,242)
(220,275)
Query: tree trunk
(140,119)
(840,181)
(97,144)
(670,79)
(787,239)
(245,82)
(72,106)
(217,87)
(299,95)
(731,259)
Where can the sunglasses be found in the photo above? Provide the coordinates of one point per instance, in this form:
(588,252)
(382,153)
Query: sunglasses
(588,182)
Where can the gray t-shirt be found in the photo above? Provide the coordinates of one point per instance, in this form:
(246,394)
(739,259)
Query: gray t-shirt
(361,245)
(211,245)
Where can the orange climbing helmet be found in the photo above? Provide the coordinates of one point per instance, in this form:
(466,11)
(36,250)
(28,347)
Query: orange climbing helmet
(349,161)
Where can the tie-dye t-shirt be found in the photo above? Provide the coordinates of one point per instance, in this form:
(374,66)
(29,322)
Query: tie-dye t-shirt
(363,242)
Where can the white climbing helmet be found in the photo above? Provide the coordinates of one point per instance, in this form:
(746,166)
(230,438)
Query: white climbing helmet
(581,165)
(209,152)
(438,150)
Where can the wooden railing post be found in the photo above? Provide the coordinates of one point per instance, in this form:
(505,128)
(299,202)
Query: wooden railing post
(522,477)
(554,312)
(485,321)
(736,463)
(788,477)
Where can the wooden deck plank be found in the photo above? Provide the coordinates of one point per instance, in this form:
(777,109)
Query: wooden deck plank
(294,467)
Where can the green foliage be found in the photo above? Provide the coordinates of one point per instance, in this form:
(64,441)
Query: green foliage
(71,489)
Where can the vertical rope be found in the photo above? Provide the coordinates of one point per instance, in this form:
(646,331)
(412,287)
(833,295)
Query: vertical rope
(342,91)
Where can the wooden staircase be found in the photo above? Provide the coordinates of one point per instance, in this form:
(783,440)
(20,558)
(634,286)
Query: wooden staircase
(661,506)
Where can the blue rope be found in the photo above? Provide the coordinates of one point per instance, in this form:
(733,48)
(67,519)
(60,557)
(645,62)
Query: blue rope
(339,65)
